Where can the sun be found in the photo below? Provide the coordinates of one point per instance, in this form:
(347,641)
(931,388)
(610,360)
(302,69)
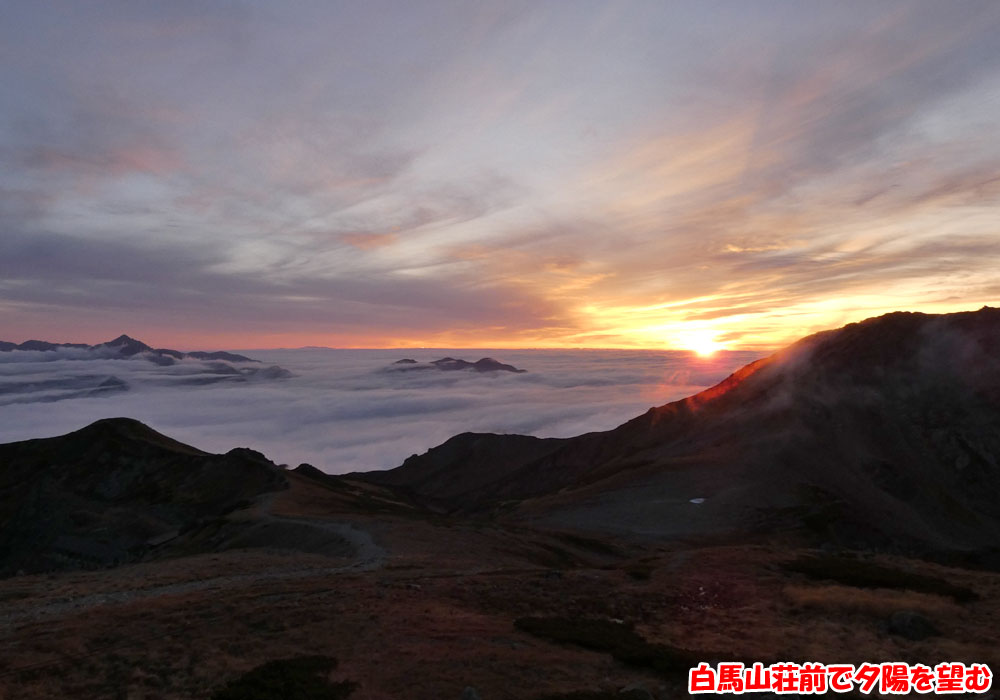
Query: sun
(701,342)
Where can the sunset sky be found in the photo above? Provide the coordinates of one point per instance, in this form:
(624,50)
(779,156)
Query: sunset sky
(493,174)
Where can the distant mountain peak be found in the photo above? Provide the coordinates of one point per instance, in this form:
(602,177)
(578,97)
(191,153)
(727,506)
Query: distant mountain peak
(127,346)
(486,364)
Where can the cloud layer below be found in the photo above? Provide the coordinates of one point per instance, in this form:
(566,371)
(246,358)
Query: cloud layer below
(344,410)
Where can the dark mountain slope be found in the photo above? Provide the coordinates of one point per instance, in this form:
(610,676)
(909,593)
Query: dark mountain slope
(107,493)
(464,465)
(884,433)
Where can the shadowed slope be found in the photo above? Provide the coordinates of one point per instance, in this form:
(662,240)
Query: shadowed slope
(107,493)
(465,467)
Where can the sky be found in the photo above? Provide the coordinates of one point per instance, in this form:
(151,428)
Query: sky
(493,174)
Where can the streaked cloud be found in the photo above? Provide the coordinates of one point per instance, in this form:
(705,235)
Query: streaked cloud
(623,174)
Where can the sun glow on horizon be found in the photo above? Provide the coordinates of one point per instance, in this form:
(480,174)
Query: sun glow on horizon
(701,342)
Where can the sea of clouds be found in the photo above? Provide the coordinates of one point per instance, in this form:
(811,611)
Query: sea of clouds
(349,410)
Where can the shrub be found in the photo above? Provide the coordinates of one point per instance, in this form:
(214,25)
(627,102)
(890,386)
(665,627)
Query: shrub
(300,677)
(863,574)
(619,640)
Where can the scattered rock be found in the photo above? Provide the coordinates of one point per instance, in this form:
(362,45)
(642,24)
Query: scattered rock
(470,693)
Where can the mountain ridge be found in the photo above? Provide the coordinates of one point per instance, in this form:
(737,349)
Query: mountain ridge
(882,435)
(451,364)
(108,493)
(125,346)
(850,436)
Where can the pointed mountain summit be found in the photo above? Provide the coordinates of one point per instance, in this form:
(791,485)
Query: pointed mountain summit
(127,346)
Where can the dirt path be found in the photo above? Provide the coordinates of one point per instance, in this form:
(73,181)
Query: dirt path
(368,554)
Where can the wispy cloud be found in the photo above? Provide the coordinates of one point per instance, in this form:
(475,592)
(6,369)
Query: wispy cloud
(527,175)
